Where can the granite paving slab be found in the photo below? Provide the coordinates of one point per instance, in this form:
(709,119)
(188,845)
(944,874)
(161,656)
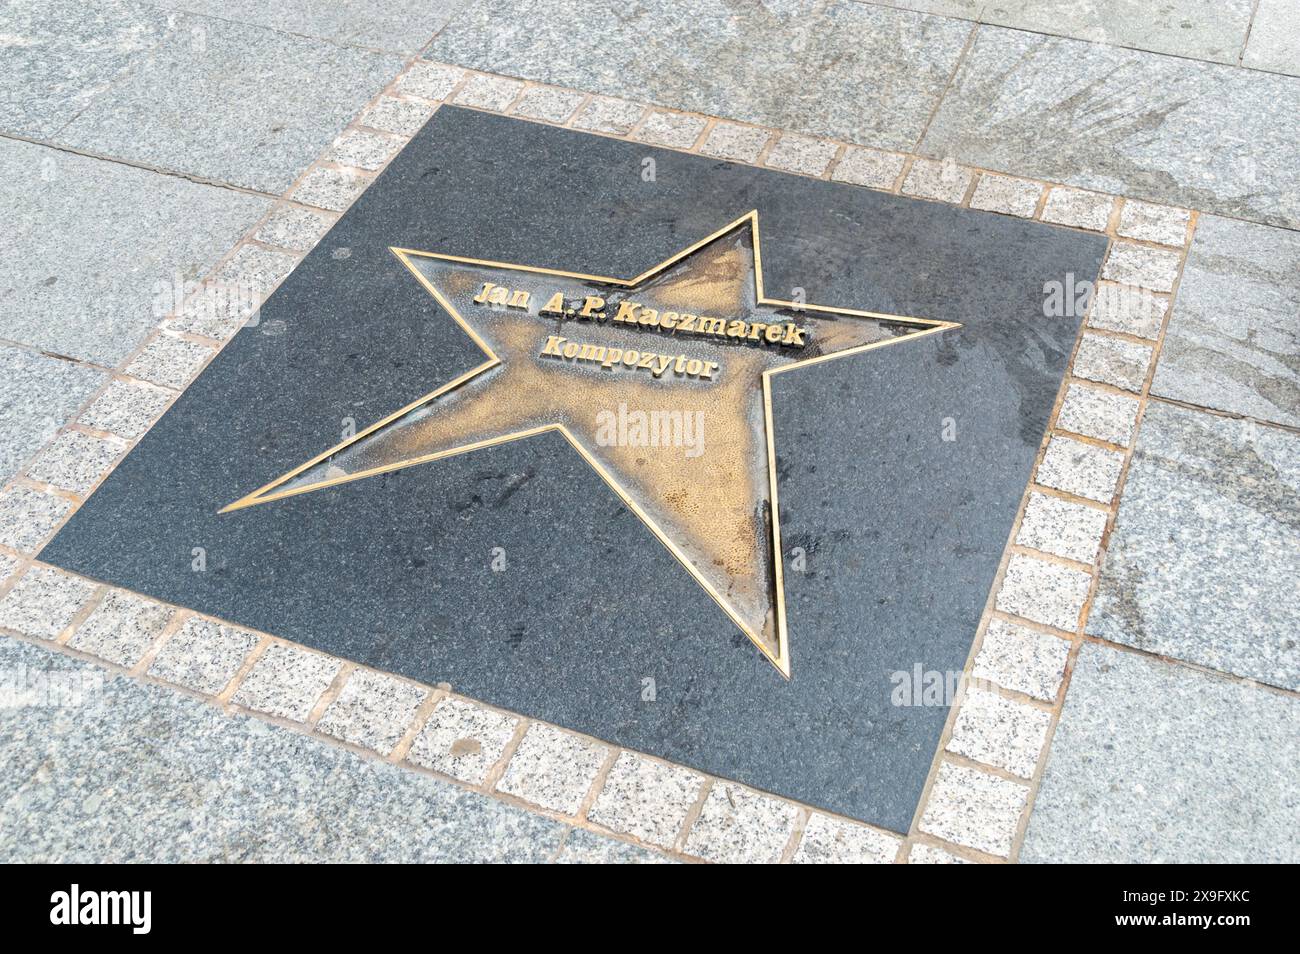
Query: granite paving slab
(57,55)
(1153,763)
(233,103)
(393,26)
(38,394)
(96,253)
(1274,39)
(397,571)
(1233,342)
(136,773)
(965,9)
(831,67)
(1206,547)
(1190,28)
(1182,132)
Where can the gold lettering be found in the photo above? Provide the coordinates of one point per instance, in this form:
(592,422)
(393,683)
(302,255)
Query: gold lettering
(554,305)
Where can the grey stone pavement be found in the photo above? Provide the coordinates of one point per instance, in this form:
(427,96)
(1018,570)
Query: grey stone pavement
(140,141)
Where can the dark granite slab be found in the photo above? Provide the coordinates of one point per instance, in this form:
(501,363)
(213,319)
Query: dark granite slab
(902,530)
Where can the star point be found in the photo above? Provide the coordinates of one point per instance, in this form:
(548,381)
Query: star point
(661,382)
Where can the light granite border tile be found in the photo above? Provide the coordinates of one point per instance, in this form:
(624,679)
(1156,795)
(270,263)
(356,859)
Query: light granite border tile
(738,825)
(943,181)
(1007,195)
(553,768)
(830,840)
(286,681)
(203,655)
(373,710)
(646,798)
(1078,208)
(463,740)
(873,168)
(976,809)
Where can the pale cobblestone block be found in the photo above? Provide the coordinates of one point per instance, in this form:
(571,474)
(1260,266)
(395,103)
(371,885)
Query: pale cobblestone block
(488,92)
(945,181)
(608,115)
(869,167)
(121,628)
(170,361)
(1130,310)
(646,799)
(28,516)
(43,602)
(828,840)
(1007,195)
(216,311)
(1046,593)
(1113,361)
(294,228)
(255,268)
(432,81)
(801,154)
(1062,527)
(8,566)
(975,809)
(462,740)
(287,681)
(675,130)
(735,142)
(997,731)
(203,655)
(403,117)
(1075,207)
(740,826)
(364,150)
(373,710)
(1153,268)
(553,768)
(1080,469)
(126,408)
(74,461)
(548,103)
(1103,415)
(332,189)
(1021,660)
(1153,223)
(930,855)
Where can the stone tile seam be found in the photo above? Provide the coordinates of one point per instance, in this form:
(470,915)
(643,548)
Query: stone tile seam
(1115,46)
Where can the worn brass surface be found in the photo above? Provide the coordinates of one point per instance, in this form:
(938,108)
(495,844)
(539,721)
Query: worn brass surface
(682,432)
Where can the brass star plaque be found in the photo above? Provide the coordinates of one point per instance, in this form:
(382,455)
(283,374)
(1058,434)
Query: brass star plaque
(661,382)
